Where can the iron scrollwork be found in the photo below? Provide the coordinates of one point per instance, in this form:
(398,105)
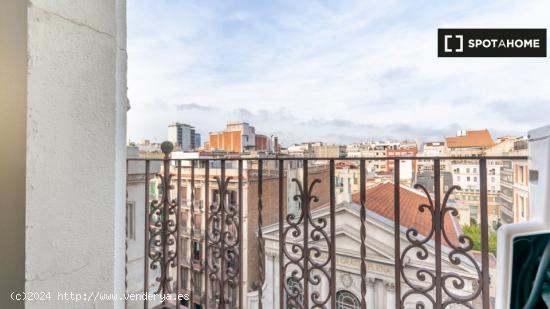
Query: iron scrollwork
(295,253)
(419,244)
(457,251)
(163,235)
(223,243)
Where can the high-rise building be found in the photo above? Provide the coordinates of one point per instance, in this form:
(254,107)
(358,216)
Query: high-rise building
(197,140)
(183,136)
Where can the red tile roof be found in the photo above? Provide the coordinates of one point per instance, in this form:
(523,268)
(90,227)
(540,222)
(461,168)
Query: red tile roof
(481,138)
(379,199)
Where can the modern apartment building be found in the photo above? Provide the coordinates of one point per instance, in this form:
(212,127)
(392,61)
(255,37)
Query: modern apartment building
(301,150)
(431,149)
(373,149)
(184,136)
(317,150)
(466,172)
(401,152)
(329,151)
(240,137)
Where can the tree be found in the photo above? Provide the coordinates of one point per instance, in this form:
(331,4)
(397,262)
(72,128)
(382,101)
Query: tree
(474,232)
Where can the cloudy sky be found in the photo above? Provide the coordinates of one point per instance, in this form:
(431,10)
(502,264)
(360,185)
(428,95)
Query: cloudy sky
(334,71)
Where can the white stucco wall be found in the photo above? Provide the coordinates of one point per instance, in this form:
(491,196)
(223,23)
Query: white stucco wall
(75,150)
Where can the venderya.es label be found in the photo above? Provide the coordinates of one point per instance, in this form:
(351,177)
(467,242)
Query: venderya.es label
(491,43)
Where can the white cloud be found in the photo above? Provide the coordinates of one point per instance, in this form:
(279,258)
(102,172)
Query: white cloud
(298,66)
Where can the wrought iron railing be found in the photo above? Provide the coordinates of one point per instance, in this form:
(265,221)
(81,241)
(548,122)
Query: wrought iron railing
(302,266)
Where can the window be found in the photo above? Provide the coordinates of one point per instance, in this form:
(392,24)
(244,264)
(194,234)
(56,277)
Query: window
(197,282)
(474,170)
(457,178)
(468,178)
(184,278)
(196,250)
(131,225)
(184,219)
(183,245)
(522,174)
(467,170)
(197,223)
(346,300)
(183,193)
(475,179)
(522,199)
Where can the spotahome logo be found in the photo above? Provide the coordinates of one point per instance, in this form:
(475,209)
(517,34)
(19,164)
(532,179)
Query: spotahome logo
(491,42)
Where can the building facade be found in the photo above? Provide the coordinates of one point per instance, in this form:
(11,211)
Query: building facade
(240,137)
(373,149)
(329,151)
(184,136)
(521,191)
(431,149)
(466,173)
(380,284)
(510,210)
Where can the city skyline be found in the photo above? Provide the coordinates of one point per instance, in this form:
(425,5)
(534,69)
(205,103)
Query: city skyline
(366,139)
(326,71)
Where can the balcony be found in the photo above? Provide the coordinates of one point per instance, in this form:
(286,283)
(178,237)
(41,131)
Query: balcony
(63,200)
(289,233)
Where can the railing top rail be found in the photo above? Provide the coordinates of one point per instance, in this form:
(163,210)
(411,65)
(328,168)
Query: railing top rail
(335,158)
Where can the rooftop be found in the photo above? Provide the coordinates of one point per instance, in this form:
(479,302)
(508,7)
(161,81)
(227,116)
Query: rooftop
(480,138)
(379,198)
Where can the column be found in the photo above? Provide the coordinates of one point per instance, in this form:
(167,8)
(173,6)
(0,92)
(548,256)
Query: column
(390,294)
(370,294)
(269,280)
(277,274)
(76,154)
(379,294)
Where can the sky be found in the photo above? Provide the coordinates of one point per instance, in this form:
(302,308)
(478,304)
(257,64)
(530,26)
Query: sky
(332,71)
